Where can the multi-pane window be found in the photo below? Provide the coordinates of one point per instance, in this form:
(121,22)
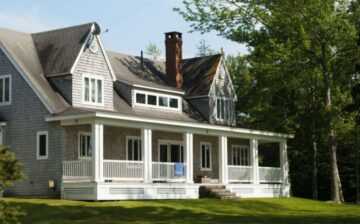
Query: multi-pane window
(5,90)
(85,145)
(42,145)
(205,156)
(93,89)
(160,101)
(223,109)
(240,155)
(171,152)
(134,148)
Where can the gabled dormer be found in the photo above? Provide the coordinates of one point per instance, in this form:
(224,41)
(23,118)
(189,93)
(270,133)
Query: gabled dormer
(75,63)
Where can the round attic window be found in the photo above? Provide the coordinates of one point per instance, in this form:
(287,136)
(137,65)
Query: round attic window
(93,47)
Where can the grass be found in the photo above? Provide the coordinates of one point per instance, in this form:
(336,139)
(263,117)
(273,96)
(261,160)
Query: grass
(277,210)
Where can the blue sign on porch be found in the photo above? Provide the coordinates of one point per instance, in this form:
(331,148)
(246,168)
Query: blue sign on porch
(179,169)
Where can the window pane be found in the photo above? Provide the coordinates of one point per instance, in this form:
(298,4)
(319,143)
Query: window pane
(42,145)
(7,90)
(140,98)
(218,108)
(88,150)
(1,90)
(130,151)
(208,157)
(163,153)
(203,156)
(82,145)
(226,109)
(87,89)
(175,153)
(163,101)
(93,90)
(151,100)
(99,91)
(140,157)
(174,103)
(136,150)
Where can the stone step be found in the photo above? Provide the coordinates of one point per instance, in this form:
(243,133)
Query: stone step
(217,191)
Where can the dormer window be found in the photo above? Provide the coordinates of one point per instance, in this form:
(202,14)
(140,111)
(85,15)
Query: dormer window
(223,109)
(93,89)
(157,100)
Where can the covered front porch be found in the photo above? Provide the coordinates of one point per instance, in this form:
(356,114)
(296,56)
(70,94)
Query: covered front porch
(110,160)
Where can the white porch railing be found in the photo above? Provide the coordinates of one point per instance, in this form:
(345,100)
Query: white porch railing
(77,170)
(123,170)
(240,173)
(162,171)
(270,174)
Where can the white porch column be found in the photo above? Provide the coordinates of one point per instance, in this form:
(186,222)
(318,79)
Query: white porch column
(188,145)
(146,146)
(223,159)
(284,164)
(254,157)
(97,142)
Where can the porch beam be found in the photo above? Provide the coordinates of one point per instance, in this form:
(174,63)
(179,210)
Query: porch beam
(223,159)
(97,142)
(254,156)
(146,146)
(188,144)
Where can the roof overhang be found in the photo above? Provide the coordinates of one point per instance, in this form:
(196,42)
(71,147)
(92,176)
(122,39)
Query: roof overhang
(111,119)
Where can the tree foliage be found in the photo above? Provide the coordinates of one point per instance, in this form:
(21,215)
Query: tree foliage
(297,74)
(153,51)
(10,171)
(204,49)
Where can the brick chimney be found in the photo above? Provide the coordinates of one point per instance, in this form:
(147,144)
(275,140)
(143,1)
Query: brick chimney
(173,43)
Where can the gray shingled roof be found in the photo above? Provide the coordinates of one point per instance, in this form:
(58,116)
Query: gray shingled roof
(58,49)
(198,73)
(22,50)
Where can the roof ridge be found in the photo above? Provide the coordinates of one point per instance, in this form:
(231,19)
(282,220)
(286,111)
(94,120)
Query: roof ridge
(131,55)
(63,28)
(206,56)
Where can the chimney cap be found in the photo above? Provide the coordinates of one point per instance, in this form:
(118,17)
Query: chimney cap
(169,35)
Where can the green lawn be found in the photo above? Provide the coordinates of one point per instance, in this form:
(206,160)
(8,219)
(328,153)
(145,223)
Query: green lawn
(281,210)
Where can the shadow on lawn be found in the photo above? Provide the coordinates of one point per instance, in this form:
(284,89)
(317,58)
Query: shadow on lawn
(208,211)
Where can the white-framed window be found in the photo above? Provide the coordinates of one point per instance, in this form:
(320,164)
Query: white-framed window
(223,109)
(85,150)
(133,148)
(93,89)
(205,155)
(5,90)
(42,145)
(157,100)
(171,151)
(240,155)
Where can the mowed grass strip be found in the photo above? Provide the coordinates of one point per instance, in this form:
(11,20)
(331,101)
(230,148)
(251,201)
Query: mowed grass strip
(266,210)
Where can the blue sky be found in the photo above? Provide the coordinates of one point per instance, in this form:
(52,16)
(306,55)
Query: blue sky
(132,24)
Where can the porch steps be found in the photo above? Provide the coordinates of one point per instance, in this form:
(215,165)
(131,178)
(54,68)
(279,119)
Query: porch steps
(216,191)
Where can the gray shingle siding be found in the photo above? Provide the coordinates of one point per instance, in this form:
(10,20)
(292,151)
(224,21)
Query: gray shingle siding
(64,85)
(92,64)
(24,118)
(222,87)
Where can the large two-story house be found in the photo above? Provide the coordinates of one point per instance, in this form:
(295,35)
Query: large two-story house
(91,124)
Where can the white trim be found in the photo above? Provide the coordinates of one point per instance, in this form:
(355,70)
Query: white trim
(157,106)
(7,76)
(87,134)
(102,48)
(210,151)
(26,78)
(190,126)
(151,88)
(38,134)
(168,149)
(133,138)
(196,97)
(82,49)
(97,78)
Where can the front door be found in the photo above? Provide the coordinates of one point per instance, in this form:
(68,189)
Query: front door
(171,152)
